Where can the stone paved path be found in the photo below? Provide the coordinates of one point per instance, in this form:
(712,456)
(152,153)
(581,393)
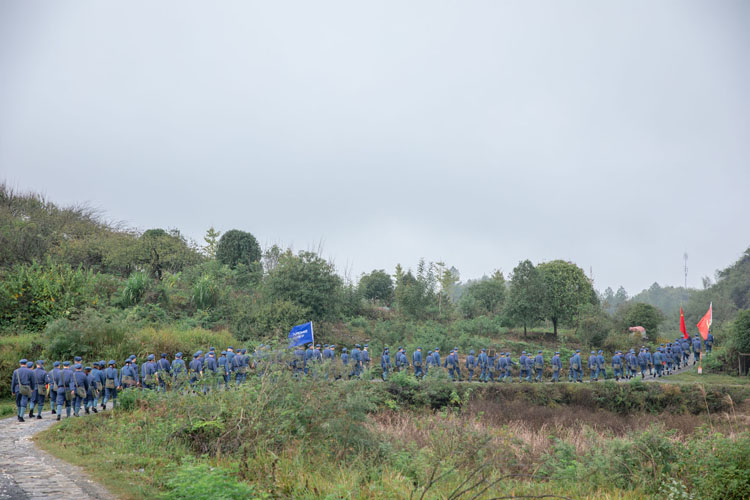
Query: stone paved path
(28,473)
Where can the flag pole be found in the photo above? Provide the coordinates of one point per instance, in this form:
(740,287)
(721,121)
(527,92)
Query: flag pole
(700,368)
(312,333)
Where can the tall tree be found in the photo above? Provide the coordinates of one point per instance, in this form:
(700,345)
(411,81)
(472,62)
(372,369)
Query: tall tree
(377,286)
(484,297)
(238,247)
(163,251)
(212,242)
(524,304)
(565,288)
(309,281)
(641,314)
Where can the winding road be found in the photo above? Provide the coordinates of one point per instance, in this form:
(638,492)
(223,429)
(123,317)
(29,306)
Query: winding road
(28,473)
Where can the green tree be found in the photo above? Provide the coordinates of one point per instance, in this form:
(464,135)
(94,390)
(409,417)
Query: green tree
(212,242)
(740,332)
(447,277)
(565,288)
(593,325)
(238,247)
(524,304)
(484,297)
(640,314)
(307,280)
(164,251)
(415,295)
(377,286)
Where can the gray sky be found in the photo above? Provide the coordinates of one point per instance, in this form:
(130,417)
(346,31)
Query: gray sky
(613,134)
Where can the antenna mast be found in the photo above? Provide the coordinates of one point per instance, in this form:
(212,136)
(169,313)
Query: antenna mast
(685,256)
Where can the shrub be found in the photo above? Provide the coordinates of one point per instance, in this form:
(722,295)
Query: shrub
(199,481)
(33,295)
(205,292)
(91,334)
(12,349)
(135,288)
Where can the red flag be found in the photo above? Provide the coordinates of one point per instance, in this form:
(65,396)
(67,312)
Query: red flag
(682,325)
(705,323)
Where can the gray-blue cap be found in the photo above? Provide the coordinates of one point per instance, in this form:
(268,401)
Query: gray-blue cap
(23,361)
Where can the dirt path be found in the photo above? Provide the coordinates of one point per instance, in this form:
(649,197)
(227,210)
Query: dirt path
(28,473)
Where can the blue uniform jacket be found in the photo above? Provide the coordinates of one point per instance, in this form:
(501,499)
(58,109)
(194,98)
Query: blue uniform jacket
(416,358)
(78,379)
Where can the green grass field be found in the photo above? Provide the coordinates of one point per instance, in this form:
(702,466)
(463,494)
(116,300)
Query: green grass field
(692,376)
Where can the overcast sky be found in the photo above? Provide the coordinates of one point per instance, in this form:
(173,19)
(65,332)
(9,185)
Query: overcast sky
(613,134)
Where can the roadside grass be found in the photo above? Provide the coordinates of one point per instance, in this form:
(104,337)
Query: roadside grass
(708,378)
(7,407)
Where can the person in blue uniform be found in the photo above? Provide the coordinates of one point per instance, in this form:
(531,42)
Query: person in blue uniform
(22,387)
(385,363)
(53,386)
(556,363)
(210,371)
(538,366)
(148,372)
(416,361)
(658,362)
(97,373)
(471,364)
(78,387)
(223,364)
(709,342)
(602,364)
(696,349)
(522,367)
(365,355)
(88,401)
(483,362)
(111,384)
(40,391)
(179,371)
(164,371)
(64,395)
(593,367)
(356,360)
(195,371)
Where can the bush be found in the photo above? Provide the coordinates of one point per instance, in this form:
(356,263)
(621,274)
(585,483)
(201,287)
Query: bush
(198,481)
(31,296)
(12,349)
(205,292)
(91,334)
(593,326)
(135,288)
(718,467)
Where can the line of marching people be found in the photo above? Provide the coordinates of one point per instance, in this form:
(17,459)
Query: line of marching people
(72,386)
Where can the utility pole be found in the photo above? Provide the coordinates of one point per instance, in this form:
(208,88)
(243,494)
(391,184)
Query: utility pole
(684,292)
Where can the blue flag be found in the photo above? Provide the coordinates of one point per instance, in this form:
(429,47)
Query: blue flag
(301,334)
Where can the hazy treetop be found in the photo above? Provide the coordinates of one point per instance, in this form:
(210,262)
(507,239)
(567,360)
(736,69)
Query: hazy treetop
(613,134)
